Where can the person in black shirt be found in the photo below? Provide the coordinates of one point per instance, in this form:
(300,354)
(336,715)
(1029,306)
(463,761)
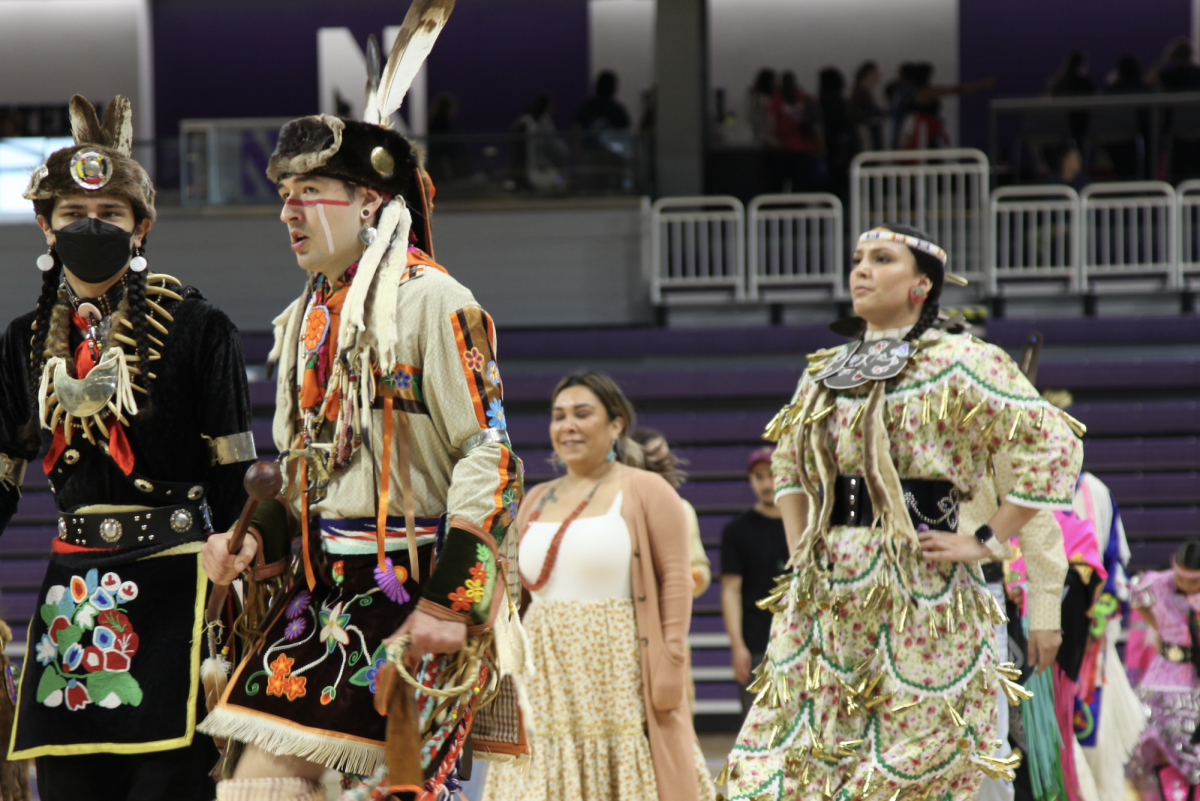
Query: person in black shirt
(754,551)
(602,111)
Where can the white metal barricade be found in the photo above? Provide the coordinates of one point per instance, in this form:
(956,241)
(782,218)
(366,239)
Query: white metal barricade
(943,192)
(795,246)
(698,245)
(1035,235)
(1187,196)
(1129,231)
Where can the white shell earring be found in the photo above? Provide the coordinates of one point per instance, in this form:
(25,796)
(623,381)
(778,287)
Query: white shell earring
(45,262)
(138,262)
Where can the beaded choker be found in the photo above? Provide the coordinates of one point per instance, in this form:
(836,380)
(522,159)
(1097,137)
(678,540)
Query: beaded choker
(102,306)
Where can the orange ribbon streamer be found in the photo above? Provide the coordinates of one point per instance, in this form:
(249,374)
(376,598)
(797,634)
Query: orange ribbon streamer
(308,570)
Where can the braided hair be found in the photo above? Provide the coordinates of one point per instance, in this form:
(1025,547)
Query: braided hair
(135,295)
(926,265)
(29,440)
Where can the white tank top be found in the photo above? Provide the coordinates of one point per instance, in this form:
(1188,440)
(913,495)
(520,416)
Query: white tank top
(595,558)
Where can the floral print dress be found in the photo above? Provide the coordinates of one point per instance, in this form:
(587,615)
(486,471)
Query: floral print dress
(881,675)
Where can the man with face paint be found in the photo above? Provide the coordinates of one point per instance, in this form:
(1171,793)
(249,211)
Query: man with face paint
(133,389)
(401,481)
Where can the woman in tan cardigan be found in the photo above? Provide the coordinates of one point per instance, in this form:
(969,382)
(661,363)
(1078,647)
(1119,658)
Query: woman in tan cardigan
(604,554)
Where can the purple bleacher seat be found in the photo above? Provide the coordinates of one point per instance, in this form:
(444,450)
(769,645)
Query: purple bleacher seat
(1154,489)
(27,540)
(1141,453)
(23,575)
(1175,523)
(36,507)
(17,608)
(1098,331)
(716,691)
(1131,418)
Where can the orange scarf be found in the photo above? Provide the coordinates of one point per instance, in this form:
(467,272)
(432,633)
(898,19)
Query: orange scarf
(320,341)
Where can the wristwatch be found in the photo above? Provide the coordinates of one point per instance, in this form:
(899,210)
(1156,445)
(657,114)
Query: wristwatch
(988,539)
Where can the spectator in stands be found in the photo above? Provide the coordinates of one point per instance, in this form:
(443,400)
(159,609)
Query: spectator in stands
(1126,78)
(447,155)
(603,552)
(839,140)
(1073,79)
(866,116)
(605,144)
(1177,70)
(754,550)
(660,459)
(923,126)
(758,104)
(1070,170)
(898,93)
(602,111)
(1128,157)
(539,155)
(794,120)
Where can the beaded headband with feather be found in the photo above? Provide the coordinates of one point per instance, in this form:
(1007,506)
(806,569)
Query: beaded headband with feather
(914,243)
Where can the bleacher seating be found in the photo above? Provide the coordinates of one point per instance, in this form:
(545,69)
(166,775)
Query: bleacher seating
(711,391)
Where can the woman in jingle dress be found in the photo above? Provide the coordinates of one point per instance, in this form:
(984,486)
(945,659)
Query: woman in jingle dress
(604,553)
(1166,762)
(882,672)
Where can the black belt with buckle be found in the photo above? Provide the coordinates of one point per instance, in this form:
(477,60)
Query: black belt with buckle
(1175,653)
(110,530)
(931,502)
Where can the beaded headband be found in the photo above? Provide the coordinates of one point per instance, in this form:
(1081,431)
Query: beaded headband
(1183,571)
(911,241)
(917,244)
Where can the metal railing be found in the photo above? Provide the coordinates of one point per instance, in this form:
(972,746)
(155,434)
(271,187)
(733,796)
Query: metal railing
(1129,230)
(224,162)
(1187,198)
(698,249)
(944,192)
(795,247)
(1148,118)
(1035,236)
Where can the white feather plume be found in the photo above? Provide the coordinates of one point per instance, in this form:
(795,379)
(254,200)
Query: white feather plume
(422,24)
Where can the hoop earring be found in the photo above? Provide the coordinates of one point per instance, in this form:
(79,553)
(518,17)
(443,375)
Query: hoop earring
(138,262)
(915,296)
(612,454)
(366,214)
(45,262)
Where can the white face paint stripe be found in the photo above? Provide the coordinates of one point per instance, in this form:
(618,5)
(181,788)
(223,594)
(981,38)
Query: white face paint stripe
(325,224)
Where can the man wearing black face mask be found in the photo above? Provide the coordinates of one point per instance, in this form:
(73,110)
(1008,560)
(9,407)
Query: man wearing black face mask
(133,389)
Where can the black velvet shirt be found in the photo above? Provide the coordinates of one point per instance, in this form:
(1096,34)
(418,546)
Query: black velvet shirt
(200,389)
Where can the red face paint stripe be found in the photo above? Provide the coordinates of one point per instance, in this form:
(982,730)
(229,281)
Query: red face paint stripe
(297,202)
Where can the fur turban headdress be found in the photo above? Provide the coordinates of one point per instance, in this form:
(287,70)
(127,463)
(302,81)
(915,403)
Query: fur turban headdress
(99,161)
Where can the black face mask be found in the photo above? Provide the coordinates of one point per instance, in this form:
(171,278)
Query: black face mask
(93,250)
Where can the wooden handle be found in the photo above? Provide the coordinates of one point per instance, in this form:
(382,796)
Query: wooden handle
(263,482)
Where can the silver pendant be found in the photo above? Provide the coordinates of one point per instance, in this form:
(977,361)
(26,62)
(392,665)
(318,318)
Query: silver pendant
(83,397)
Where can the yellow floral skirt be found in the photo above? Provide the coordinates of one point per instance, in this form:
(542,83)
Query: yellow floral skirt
(588,732)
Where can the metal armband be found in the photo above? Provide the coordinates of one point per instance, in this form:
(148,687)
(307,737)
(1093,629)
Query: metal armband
(483,437)
(12,471)
(233,448)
